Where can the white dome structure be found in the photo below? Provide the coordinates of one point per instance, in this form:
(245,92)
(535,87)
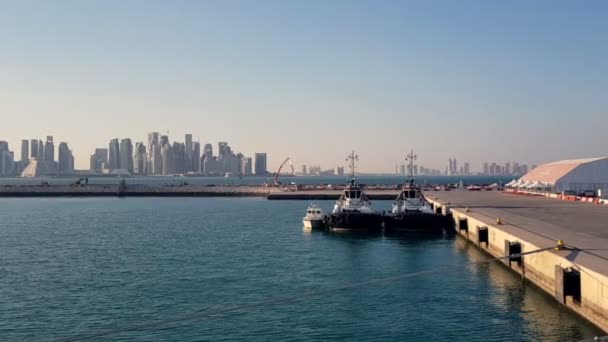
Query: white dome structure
(576,175)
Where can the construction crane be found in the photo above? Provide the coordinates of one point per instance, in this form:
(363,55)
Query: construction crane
(276,176)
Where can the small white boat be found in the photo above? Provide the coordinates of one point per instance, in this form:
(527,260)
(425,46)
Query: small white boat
(314,218)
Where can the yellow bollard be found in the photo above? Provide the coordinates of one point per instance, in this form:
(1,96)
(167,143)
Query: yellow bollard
(560,245)
(466,210)
(498,220)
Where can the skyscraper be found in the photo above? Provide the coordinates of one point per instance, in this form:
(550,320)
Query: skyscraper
(153,150)
(178,152)
(99,160)
(114,155)
(196,156)
(188,155)
(208,150)
(247,167)
(126,155)
(156,160)
(139,159)
(34,146)
(66,158)
(49,151)
(164,140)
(261,168)
(167,159)
(25,151)
(40,150)
(7,160)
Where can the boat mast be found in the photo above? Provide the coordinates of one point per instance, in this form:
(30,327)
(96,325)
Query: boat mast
(352,157)
(410,160)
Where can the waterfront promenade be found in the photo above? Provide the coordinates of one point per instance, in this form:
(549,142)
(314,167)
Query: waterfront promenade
(503,224)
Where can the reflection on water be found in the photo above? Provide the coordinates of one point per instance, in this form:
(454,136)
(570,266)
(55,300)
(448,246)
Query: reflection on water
(542,318)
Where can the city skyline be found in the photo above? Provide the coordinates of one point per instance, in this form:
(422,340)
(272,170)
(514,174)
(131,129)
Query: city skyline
(160,156)
(479,81)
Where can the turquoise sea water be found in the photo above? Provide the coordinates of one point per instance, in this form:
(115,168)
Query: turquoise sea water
(72,266)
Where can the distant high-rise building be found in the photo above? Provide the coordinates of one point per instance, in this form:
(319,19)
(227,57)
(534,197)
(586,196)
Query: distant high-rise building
(516,169)
(486,168)
(164,140)
(179,157)
(126,155)
(153,140)
(261,168)
(66,158)
(247,166)
(208,150)
(188,153)
(167,159)
(155,166)
(340,171)
(99,160)
(507,168)
(467,168)
(196,156)
(402,169)
(40,150)
(304,171)
(34,148)
(210,166)
(49,151)
(524,169)
(114,155)
(25,151)
(139,159)
(7,160)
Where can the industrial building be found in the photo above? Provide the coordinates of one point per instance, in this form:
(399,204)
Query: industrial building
(569,175)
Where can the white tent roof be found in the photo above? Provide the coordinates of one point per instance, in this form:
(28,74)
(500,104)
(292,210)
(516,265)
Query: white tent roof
(535,184)
(524,184)
(511,183)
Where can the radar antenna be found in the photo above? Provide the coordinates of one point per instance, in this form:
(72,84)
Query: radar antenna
(352,157)
(410,160)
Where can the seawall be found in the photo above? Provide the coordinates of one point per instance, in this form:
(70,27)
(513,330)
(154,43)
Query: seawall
(504,224)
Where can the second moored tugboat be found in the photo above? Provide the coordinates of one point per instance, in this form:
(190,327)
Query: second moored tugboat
(353,211)
(411,212)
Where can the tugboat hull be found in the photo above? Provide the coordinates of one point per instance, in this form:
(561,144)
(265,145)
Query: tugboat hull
(417,222)
(368,222)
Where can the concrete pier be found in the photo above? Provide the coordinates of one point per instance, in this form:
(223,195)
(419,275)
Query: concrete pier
(330,195)
(136,191)
(505,224)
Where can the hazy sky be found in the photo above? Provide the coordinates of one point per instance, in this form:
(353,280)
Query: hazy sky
(478,80)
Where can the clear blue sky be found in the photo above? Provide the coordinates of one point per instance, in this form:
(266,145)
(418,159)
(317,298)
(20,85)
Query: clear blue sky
(478,80)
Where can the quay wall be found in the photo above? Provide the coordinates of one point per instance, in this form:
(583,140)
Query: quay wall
(135,191)
(544,269)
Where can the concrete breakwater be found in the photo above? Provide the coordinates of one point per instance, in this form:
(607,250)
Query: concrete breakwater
(273,193)
(134,190)
(504,224)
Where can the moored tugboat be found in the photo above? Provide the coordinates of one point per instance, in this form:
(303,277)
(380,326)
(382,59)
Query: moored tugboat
(411,212)
(353,211)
